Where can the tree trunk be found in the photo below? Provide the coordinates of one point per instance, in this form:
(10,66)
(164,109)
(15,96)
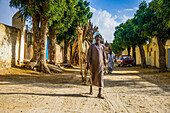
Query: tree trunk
(36,34)
(134,52)
(120,53)
(66,44)
(128,50)
(38,59)
(52,45)
(162,53)
(142,54)
(42,61)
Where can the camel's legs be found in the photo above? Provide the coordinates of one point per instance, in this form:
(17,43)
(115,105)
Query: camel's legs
(85,74)
(81,71)
(80,55)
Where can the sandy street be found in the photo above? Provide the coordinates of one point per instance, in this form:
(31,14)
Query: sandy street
(127,90)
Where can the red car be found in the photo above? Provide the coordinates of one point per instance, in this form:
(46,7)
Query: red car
(126,60)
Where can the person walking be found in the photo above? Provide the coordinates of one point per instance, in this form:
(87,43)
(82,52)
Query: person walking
(96,61)
(110,61)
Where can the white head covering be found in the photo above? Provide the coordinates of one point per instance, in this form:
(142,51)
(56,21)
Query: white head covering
(95,34)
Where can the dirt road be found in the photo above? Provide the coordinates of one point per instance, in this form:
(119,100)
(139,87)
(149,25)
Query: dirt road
(127,90)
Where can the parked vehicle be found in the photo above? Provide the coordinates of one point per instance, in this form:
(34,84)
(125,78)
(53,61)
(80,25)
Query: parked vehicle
(126,60)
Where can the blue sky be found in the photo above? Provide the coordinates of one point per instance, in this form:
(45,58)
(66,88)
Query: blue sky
(6,12)
(107,14)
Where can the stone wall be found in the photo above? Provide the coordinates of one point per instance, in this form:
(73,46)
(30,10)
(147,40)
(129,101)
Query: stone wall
(9,46)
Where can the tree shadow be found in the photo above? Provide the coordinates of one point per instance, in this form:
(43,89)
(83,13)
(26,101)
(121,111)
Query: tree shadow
(40,94)
(64,80)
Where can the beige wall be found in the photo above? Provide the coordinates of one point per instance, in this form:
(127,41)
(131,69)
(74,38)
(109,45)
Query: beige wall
(62,52)
(151,53)
(9,46)
(125,52)
(167,45)
(59,54)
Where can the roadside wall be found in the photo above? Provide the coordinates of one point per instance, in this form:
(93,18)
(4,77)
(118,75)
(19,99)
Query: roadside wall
(12,42)
(9,46)
(151,53)
(59,54)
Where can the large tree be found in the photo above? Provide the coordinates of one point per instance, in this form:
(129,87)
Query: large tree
(117,45)
(158,25)
(131,36)
(141,38)
(82,16)
(40,11)
(61,23)
(122,35)
(125,37)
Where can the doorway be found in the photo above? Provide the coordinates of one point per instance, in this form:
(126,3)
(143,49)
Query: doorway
(155,58)
(168,65)
(47,49)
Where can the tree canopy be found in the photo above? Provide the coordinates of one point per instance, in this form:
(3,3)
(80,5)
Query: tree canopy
(82,15)
(150,20)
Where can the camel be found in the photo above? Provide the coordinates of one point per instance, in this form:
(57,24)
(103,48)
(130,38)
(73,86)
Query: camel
(81,45)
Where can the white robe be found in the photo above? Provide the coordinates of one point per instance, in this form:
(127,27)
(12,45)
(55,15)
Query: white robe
(110,62)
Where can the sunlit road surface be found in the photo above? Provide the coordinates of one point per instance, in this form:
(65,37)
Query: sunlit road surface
(127,90)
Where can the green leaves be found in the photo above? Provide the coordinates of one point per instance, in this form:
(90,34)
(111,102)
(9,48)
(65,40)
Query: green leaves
(158,21)
(79,13)
(149,21)
(131,32)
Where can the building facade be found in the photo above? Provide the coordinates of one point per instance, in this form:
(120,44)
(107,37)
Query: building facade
(16,44)
(152,53)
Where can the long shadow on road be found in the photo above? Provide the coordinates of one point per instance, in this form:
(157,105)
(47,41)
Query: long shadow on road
(40,94)
(31,78)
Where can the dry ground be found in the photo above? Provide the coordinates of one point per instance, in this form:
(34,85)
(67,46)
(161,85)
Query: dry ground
(127,90)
